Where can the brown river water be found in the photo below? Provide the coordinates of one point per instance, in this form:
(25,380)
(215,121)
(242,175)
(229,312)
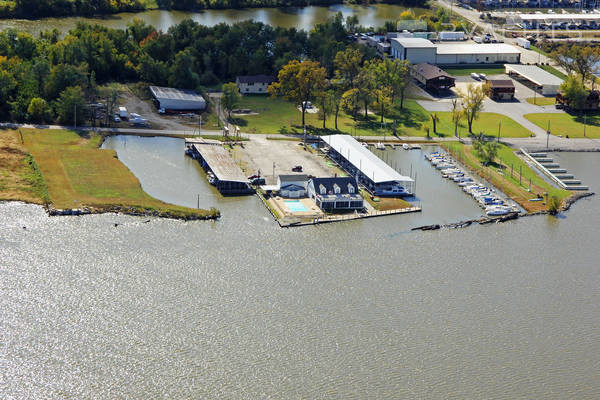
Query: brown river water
(242,309)
(290,17)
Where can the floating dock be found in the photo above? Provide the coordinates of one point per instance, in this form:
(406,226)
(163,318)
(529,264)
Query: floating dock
(216,160)
(553,171)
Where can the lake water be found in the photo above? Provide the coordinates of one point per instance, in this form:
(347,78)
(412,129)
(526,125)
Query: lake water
(287,17)
(240,308)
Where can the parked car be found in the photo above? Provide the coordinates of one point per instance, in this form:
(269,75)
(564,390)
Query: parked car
(253,177)
(116,118)
(162,111)
(297,168)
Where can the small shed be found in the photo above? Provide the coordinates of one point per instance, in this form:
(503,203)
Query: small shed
(501,89)
(432,77)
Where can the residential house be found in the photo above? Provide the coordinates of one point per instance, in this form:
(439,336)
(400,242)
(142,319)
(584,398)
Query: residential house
(254,84)
(335,194)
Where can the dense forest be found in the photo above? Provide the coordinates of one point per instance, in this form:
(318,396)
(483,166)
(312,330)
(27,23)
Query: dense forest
(42,79)
(53,8)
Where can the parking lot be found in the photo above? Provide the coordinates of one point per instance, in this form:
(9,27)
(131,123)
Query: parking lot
(259,153)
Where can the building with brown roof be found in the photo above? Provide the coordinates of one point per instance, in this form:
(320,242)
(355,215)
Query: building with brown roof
(432,77)
(501,89)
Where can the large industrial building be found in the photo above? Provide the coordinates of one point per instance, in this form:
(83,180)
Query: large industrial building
(177,99)
(419,51)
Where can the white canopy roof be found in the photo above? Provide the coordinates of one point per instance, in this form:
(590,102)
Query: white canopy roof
(534,74)
(363,159)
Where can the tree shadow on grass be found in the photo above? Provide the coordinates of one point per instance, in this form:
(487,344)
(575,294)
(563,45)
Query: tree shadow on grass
(592,119)
(238,121)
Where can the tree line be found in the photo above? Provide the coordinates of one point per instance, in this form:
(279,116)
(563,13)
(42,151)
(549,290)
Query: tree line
(42,78)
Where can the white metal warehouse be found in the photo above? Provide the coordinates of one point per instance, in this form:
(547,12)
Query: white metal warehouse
(419,51)
(548,83)
(177,99)
(370,170)
(487,53)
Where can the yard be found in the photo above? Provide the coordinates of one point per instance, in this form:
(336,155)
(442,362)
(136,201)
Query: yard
(566,124)
(483,69)
(77,173)
(542,101)
(280,116)
(504,174)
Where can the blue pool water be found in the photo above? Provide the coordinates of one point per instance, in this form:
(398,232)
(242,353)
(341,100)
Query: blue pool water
(295,205)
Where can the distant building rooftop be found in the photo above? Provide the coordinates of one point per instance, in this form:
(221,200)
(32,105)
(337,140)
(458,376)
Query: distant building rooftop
(413,42)
(534,74)
(429,71)
(501,83)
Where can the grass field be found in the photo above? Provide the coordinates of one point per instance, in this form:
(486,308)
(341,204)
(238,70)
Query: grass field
(567,124)
(542,101)
(273,114)
(483,69)
(20,178)
(77,173)
(501,177)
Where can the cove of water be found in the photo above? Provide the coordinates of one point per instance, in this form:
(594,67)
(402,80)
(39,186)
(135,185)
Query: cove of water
(239,308)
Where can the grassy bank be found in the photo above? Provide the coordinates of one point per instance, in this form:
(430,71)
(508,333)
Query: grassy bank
(384,203)
(20,176)
(567,124)
(499,174)
(79,174)
(280,116)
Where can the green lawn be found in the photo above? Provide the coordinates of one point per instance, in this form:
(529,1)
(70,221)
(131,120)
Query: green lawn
(77,173)
(553,71)
(466,71)
(542,101)
(567,124)
(275,113)
(500,175)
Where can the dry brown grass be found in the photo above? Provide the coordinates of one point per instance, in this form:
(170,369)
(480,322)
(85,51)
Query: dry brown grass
(16,174)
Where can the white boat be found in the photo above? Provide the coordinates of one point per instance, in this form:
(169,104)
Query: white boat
(391,190)
(497,210)
(380,146)
(405,146)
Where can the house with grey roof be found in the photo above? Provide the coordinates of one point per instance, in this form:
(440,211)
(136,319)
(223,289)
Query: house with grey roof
(335,194)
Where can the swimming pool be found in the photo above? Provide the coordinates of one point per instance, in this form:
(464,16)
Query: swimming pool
(295,205)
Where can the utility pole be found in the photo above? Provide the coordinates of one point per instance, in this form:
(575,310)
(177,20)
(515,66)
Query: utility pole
(548,135)
(584,123)
(499,126)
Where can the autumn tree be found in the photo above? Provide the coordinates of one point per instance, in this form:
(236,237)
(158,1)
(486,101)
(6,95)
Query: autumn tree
(366,85)
(299,82)
(471,102)
(457,114)
(347,65)
(574,92)
(38,110)
(70,106)
(231,97)
(351,102)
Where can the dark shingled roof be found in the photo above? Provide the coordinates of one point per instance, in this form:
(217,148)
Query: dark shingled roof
(430,71)
(501,83)
(256,79)
(342,182)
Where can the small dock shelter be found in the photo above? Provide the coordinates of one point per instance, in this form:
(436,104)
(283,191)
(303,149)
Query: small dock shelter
(371,171)
(548,83)
(213,157)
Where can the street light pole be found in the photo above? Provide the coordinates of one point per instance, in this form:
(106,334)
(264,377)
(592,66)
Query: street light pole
(548,135)
(584,123)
